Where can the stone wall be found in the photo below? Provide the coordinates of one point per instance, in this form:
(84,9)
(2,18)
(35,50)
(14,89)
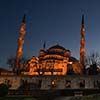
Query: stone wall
(52,82)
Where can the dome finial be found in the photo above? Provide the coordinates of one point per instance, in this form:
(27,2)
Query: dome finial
(44,45)
(56,43)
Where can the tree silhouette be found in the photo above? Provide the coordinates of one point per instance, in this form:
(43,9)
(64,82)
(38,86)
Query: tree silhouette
(92,60)
(11,61)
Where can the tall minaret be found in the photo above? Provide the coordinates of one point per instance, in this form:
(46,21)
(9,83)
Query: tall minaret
(82,43)
(20,45)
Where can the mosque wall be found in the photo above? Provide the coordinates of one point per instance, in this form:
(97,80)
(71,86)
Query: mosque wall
(51,82)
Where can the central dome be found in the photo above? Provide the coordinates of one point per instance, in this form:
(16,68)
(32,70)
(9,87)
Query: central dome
(57,50)
(57,47)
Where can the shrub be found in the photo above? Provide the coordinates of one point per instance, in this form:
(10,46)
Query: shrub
(3,90)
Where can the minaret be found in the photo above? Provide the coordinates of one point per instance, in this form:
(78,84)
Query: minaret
(19,51)
(82,43)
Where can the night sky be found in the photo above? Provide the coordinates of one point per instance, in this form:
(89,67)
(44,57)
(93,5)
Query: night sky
(53,21)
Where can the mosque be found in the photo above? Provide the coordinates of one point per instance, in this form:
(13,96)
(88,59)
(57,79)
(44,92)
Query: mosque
(54,68)
(55,60)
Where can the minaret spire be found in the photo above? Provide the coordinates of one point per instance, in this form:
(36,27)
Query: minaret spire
(19,51)
(83,19)
(82,43)
(24,19)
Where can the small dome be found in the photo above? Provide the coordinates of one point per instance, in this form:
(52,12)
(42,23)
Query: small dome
(72,59)
(41,52)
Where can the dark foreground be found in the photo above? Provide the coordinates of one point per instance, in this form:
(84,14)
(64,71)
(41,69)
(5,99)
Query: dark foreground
(88,97)
(75,94)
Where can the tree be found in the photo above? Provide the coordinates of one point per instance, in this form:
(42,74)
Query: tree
(92,60)
(12,61)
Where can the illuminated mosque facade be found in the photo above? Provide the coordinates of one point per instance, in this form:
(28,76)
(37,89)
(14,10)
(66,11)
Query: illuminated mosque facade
(54,68)
(54,61)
